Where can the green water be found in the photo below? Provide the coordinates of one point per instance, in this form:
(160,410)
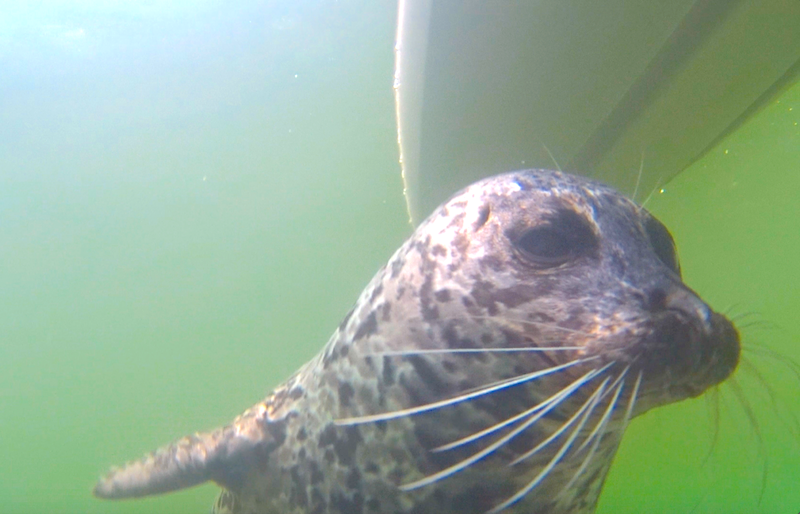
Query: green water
(190,201)
(736,220)
(192,198)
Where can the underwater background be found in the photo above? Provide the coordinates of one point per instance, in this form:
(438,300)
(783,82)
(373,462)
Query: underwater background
(193,194)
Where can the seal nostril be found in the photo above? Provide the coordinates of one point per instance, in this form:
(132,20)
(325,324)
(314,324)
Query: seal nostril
(685,302)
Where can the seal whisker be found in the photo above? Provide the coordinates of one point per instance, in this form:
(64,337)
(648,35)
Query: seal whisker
(656,187)
(465,463)
(491,388)
(616,386)
(596,436)
(615,382)
(583,413)
(729,310)
(638,178)
(590,401)
(747,408)
(712,404)
(514,378)
(532,323)
(786,361)
(404,353)
(793,425)
(735,318)
(629,411)
(544,406)
(552,157)
(756,323)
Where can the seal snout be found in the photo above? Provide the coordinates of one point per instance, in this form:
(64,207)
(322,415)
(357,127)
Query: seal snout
(714,340)
(689,345)
(727,347)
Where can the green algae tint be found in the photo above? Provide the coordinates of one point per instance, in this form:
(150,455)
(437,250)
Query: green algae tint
(189,206)
(191,199)
(735,215)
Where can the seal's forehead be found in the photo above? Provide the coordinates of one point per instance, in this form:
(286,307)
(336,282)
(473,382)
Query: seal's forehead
(525,198)
(531,189)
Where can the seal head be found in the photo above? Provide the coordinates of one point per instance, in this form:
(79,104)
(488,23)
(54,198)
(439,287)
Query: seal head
(491,366)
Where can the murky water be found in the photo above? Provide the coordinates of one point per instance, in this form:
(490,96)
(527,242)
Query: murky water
(192,198)
(735,217)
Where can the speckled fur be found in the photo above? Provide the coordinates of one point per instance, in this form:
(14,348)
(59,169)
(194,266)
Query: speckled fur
(459,282)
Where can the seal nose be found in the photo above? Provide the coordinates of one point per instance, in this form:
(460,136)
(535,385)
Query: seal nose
(679,299)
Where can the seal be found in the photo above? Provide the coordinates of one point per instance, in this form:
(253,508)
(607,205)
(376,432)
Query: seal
(491,366)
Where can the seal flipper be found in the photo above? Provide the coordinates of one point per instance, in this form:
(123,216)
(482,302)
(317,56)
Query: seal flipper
(221,455)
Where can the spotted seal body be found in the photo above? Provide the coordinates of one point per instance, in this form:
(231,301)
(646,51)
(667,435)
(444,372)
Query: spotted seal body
(491,366)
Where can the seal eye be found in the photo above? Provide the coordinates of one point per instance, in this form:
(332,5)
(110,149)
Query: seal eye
(663,244)
(565,236)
